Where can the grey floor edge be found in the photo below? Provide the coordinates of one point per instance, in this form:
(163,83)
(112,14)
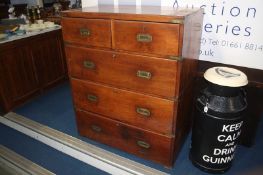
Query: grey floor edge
(13,163)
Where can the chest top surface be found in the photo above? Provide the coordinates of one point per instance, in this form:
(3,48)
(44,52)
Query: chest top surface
(128,12)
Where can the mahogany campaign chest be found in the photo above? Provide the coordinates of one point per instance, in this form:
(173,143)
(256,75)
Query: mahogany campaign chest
(131,72)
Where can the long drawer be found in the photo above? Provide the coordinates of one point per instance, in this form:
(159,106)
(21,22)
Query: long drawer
(130,139)
(146,37)
(137,109)
(140,73)
(88,32)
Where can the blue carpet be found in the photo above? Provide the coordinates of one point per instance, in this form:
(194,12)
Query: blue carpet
(55,109)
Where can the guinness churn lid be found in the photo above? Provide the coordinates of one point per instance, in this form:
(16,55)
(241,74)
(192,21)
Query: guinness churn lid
(226,76)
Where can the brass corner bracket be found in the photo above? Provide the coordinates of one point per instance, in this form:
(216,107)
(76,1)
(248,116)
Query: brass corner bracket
(177,21)
(178,58)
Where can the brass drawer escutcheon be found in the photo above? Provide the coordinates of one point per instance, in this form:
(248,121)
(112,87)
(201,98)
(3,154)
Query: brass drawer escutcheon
(144,38)
(144,74)
(143,144)
(89,64)
(143,111)
(84,32)
(96,128)
(92,98)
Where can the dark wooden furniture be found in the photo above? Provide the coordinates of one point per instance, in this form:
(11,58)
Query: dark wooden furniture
(29,66)
(20,9)
(132,76)
(6,2)
(4,6)
(3,11)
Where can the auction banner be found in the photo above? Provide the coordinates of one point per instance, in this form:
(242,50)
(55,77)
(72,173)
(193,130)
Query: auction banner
(232,29)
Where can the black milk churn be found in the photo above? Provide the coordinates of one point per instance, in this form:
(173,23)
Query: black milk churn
(218,119)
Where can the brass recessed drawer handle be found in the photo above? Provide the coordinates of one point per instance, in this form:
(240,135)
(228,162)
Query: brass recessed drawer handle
(89,64)
(143,144)
(84,32)
(92,98)
(144,38)
(96,128)
(143,111)
(144,74)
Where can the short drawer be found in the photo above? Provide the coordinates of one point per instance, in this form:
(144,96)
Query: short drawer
(146,37)
(136,109)
(89,32)
(142,143)
(140,73)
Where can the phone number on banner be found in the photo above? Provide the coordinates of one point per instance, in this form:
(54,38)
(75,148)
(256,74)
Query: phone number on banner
(232,44)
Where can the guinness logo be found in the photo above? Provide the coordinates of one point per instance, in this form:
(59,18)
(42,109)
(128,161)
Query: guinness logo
(225,73)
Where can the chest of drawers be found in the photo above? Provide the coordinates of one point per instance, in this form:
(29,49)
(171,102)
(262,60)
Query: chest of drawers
(131,72)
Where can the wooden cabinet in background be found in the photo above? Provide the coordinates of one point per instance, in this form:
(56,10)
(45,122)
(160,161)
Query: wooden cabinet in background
(17,76)
(29,66)
(49,60)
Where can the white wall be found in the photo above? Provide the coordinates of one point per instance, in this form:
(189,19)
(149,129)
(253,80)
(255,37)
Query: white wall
(232,33)
(87,3)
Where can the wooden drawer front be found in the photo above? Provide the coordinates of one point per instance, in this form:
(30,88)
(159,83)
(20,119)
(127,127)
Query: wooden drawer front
(139,73)
(137,109)
(152,38)
(133,140)
(91,32)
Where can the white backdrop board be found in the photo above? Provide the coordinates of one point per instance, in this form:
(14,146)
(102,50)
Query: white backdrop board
(232,29)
